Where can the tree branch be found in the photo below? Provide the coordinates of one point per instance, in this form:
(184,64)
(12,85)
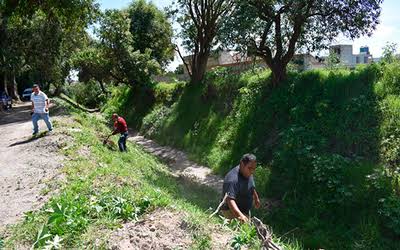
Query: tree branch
(183,60)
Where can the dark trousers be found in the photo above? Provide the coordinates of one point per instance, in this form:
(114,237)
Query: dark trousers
(122,142)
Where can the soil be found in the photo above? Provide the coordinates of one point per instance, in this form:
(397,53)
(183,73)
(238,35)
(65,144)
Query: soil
(162,229)
(179,163)
(26,164)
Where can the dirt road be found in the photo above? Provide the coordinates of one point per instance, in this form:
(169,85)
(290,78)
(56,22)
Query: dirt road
(179,163)
(26,164)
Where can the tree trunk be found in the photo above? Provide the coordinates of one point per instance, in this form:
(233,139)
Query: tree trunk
(13,88)
(199,67)
(103,87)
(278,74)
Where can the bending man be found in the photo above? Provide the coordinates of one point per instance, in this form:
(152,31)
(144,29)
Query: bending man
(239,188)
(120,127)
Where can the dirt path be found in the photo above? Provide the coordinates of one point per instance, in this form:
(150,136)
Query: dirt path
(179,163)
(26,164)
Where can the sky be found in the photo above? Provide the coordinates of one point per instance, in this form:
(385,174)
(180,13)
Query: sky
(387,31)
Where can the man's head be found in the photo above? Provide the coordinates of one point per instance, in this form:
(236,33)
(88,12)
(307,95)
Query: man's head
(114,117)
(36,89)
(248,165)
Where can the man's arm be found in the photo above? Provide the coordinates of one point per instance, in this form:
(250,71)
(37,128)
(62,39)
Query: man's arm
(32,106)
(116,130)
(235,210)
(256,198)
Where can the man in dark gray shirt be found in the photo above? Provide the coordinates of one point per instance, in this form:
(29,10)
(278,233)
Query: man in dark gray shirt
(239,190)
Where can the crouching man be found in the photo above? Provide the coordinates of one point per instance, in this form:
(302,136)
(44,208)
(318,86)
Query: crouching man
(239,190)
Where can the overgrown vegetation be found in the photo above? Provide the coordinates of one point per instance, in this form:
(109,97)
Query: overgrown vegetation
(103,188)
(326,140)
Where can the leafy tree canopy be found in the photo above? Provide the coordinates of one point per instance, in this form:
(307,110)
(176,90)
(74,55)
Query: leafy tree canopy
(276,29)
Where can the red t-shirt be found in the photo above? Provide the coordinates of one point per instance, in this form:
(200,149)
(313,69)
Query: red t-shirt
(120,126)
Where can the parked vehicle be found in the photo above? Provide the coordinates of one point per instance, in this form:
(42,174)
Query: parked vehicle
(26,95)
(6,101)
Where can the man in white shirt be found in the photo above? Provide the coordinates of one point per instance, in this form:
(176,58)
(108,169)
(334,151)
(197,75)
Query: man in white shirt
(40,109)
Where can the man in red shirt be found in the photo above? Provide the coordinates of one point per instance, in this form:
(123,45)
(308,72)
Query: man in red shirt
(121,128)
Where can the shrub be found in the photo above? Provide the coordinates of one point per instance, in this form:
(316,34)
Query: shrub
(88,94)
(167,93)
(390,212)
(154,121)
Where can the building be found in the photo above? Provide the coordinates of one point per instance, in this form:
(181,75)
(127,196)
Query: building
(346,57)
(307,62)
(240,62)
(224,58)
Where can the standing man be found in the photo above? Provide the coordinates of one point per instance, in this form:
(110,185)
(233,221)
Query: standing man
(121,128)
(40,109)
(239,190)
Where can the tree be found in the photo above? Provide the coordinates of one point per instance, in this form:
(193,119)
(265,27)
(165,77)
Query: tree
(275,29)
(332,61)
(389,51)
(91,63)
(151,29)
(39,36)
(201,21)
(126,64)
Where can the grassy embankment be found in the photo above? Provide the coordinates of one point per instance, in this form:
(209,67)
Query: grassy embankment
(327,143)
(103,188)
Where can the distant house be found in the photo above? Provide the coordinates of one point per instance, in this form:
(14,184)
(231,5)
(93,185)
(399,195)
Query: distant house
(225,58)
(308,62)
(241,62)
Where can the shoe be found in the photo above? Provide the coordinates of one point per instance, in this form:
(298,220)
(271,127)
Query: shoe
(34,134)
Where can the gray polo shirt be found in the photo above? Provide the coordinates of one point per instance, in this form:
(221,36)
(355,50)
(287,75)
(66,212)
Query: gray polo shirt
(239,188)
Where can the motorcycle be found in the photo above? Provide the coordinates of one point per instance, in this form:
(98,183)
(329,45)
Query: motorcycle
(6,101)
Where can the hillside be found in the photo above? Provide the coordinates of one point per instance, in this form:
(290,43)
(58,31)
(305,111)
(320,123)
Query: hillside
(326,143)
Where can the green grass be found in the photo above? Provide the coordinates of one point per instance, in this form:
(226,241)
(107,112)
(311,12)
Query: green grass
(327,143)
(107,188)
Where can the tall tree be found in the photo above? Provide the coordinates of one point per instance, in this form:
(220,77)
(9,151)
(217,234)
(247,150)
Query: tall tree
(275,29)
(92,63)
(41,35)
(151,29)
(126,63)
(201,21)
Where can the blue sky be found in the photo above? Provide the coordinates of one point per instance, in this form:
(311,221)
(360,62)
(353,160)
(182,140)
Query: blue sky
(387,31)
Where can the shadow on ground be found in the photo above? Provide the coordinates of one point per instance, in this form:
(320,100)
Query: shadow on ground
(30,139)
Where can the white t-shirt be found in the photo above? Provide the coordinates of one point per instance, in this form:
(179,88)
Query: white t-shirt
(39,102)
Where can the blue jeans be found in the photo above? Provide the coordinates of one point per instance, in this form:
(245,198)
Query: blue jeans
(122,142)
(36,117)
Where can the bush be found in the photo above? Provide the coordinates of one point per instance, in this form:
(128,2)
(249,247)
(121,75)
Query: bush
(390,212)
(167,93)
(153,122)
(87,94)
(390,80)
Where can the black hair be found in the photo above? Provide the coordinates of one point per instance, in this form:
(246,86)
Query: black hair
(35,85)
(246,158)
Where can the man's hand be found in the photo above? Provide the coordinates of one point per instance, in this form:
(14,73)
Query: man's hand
(243,218)
(46,109)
